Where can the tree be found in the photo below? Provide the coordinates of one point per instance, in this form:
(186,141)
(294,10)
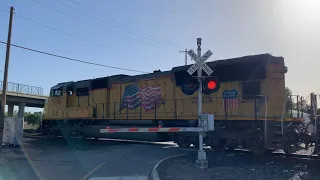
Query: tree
(289,103)
(33,118)
(304,107)
(15,113)
(292,104)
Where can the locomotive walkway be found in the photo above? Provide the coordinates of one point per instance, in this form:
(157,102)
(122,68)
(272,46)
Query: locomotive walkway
(23,96)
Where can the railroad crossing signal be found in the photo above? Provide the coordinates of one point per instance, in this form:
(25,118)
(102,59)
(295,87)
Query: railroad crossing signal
(200,62)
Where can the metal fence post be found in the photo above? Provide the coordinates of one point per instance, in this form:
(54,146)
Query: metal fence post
(155,109)
(291,103)
(114,110)
(140,110)
(301,99)
(255,108)
(175,108)
(127,110)
(298,110)
(103,110)
(225,108)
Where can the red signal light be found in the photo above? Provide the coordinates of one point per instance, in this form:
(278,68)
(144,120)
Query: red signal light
(212,85)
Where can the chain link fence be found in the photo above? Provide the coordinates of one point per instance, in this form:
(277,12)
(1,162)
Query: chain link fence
(23,89)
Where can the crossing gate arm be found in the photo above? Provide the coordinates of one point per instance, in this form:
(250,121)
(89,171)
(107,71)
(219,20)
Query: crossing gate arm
(207,120)
(159,129)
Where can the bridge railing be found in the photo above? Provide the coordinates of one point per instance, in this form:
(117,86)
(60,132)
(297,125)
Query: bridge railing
(23,89)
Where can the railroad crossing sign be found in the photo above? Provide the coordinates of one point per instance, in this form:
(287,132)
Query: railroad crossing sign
(200,62)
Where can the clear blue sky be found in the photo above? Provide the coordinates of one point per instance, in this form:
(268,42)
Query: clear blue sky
(285,28)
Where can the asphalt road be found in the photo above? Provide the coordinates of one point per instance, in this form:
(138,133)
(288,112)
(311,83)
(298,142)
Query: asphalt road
(68,159)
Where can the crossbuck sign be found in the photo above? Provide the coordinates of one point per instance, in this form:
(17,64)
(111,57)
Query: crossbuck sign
(200,62)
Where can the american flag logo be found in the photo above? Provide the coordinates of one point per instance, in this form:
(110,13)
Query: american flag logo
(230,99)
(149,97)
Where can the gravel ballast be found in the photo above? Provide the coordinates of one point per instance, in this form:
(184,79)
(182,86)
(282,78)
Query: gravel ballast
(233,166)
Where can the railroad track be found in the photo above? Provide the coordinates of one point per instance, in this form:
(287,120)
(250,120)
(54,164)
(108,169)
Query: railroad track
(274,156)
(279,156)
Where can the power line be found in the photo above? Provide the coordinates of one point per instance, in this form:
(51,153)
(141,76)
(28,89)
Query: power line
(4,10)
(63,32)
(124,29)
(72,59)
(143,34)
(88,23)
(68,34)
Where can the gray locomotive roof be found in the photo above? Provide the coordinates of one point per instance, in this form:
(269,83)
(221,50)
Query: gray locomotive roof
(224,62)
(117,79)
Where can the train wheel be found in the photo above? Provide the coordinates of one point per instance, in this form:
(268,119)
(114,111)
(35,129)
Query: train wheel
(52,134)
(183,142)
(81,136)
(289,149)
(196,145)
(220,145)
(256,145)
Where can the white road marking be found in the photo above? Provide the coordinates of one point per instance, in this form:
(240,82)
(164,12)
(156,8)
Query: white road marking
(92,171)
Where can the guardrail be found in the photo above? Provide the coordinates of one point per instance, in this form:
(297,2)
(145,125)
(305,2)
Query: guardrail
(23,89)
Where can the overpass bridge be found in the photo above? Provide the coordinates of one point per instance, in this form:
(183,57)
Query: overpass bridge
(23,96)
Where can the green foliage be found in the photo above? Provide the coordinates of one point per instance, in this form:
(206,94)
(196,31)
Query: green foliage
(33,118)
(15,113)
(292,103)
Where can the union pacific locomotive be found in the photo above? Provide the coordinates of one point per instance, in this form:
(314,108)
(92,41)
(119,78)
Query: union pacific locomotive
(245,94)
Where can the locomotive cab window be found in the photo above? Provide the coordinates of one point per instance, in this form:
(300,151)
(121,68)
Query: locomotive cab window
(56,92)
(251,90)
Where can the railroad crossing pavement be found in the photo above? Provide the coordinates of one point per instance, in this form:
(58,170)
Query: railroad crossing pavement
(96,160)
(109,160)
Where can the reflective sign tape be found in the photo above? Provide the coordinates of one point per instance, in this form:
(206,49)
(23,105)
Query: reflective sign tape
(160,129)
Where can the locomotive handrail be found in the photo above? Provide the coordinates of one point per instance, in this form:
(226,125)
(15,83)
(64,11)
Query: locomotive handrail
(282,115)
(257,109)
(139,110)
(265,119)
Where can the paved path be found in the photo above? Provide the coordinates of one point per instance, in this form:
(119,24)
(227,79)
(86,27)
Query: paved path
(94,160)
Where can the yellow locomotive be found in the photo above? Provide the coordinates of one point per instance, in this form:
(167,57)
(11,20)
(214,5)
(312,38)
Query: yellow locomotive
(245,94)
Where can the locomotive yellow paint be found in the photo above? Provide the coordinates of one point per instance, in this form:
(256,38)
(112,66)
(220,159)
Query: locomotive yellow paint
(72,100)
(99,99)
(164,111)
(80,112)
(105,103)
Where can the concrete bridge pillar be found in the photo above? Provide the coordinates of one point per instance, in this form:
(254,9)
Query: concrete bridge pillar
(21,111)
(10,110)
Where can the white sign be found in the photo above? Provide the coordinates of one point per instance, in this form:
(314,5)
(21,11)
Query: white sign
(200,63)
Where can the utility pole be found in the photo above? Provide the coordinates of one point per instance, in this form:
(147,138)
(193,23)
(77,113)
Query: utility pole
(186,58)
(5,78)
